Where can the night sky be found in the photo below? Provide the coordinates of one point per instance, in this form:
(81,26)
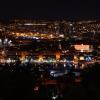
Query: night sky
(54,9)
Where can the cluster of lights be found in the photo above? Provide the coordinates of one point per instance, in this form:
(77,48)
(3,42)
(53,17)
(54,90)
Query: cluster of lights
(5,42)
(9,60)
(36,35)
(87,27)
(88,60)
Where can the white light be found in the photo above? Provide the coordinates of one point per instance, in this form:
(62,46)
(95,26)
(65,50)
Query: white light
(33,24)
(0,41)
(35,38)
(28,24)
(55,97)
(64,65)
(9,60)
(61,35)
(65,60)
(52,72)
(6,40)
(71,24)
(26,61)
(82,50)
(10,42)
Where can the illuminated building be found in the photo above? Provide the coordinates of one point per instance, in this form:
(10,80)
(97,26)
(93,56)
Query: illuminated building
(83,48)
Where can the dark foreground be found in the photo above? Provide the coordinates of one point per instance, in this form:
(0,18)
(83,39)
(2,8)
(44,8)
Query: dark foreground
(28,86)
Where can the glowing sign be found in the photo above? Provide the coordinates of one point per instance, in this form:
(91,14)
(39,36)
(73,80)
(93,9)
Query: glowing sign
(82,47)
